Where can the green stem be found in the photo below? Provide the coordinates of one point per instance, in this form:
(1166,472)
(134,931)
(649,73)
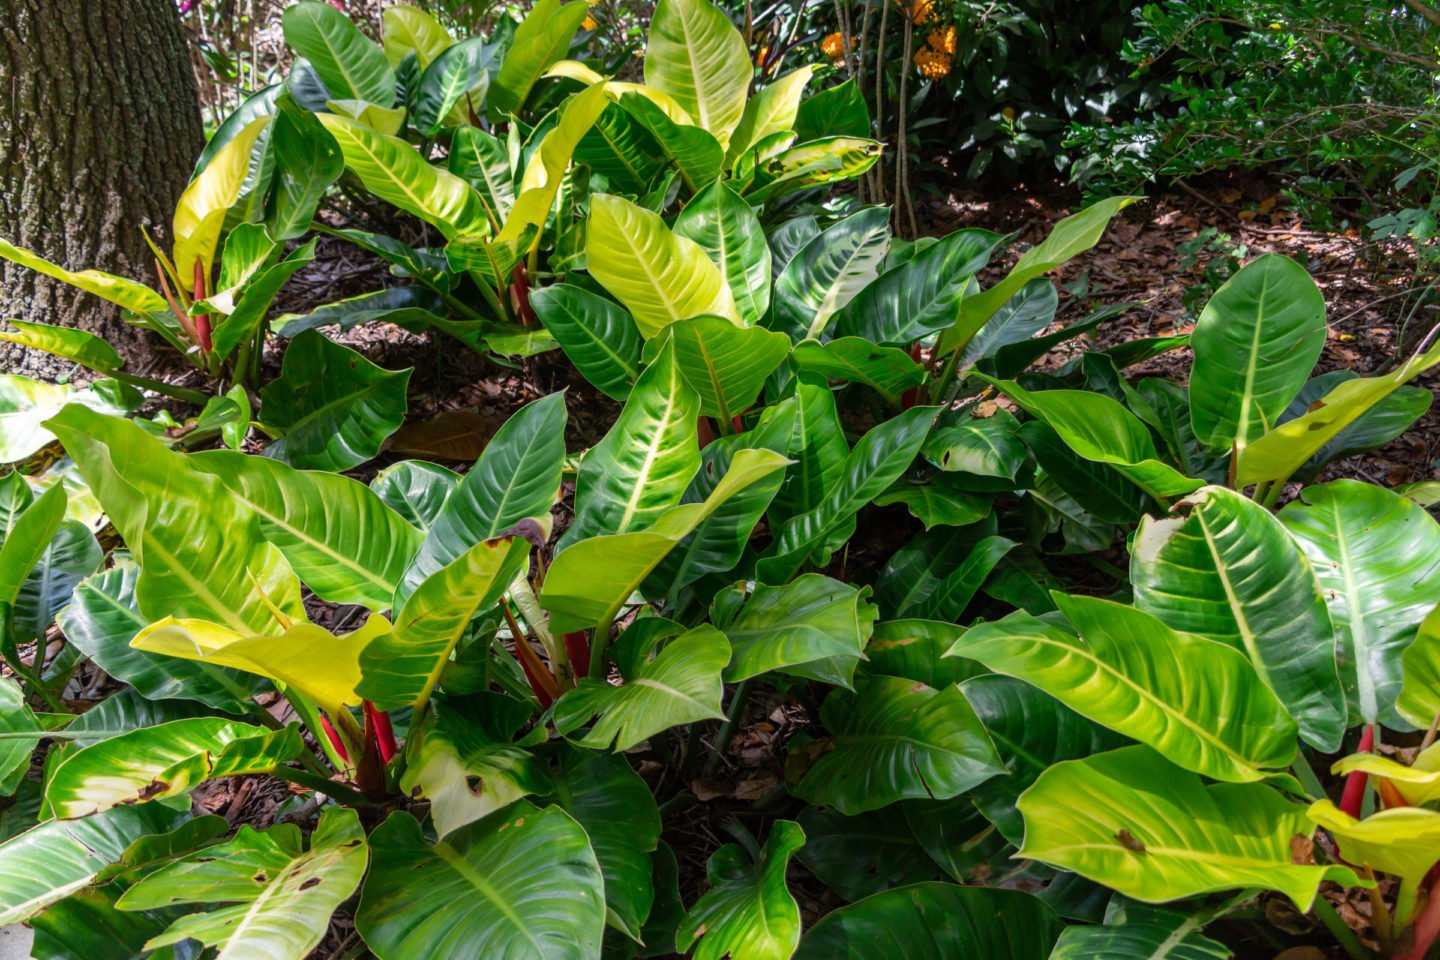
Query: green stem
(160,386)
(599,647)
(11,651)
(331,788)
(1272,496)
(727,729)
(1339,930)
(1306,775)
(470,313)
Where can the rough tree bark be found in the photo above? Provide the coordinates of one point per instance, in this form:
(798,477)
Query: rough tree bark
(99,128)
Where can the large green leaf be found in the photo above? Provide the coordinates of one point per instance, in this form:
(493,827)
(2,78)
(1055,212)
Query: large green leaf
(937,501)
(620,148)
(1197,701)
(897,739)
(1254,344)
(597,334)
(102,619)
(658,275)
(481,159)
(26,404)
(641,467)
(392,170)
(277,896)
(1284,450)
(726,365)
(27,540)
(416,490)
(936,921)
(201,551)
(1032,731)
(1379,425)
(876,462)
(1068,239)
(1030,311)
(168,760)
(805,165)
(915,649)
(748,911)
(1229,572)
(516,477)
(859,856)
(1137,823)
(332,407)
(938,573)
(1098,428)
(696,55)
(402,667)
(1137,932)
(888,370)
(695,153)
(203,209)
(546,170)
(255,298)
(614,805)
(591,579)
(68,343)
(464,760)
(542,38)
(17,725)
(840,110)
(811,627)
(57,858)
(817,445)
(772,110)
(307,161)
(69,557)
(405,29)
(1419,700)
(350,64)
(680,685)
(132,296)
(344,542)
(458,70)
(921,295)
(727,229)
(521,883)
(1372,551)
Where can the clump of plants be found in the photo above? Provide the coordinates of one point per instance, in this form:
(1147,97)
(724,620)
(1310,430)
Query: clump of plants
(845,481)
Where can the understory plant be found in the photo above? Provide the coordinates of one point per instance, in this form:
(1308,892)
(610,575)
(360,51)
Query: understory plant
(1053,661)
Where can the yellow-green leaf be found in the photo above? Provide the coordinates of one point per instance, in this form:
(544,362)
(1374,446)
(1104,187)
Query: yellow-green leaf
(200,214)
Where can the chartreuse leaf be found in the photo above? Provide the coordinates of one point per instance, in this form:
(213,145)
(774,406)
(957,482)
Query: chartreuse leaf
(68,343)
(936,921)
(811,627)
(888,370)
(876,462)
(1068,239)
(517,476)
(402,667)
(641,467)
(542,38)
(57,858)
(255,298)
(132,296)
(521,883)
(1418,783)
(657,274)
(351,66)
(1098,428)
(897,739)
(1373,552)
(277,897)
(726,365)
(591,579)
(308,659)
(1135,822)
(541,180)
(1133,931)
(1402,841)
(1419,700)
(406,29)
(681,684)
(697,57)
(727,229)
(1379,425)
(200,550)
(1286,448)
(463,759)
(26,404)
(597,334)
(614,805)
(828,271)
(200,211)
(1255,343)
(828,160)
(1229,572)
(168,760)
(392,170)
(1032,731)
(344,542)
(919,296)
(771,110)
(331,406)
(1196,701)
(748,911)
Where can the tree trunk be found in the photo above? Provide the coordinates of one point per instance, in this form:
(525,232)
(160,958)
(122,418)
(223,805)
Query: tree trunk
(99,128)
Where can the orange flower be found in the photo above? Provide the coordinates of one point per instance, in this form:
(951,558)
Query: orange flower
(834,46)
(942,41)
(589,22)
(920,11)
(933,64)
